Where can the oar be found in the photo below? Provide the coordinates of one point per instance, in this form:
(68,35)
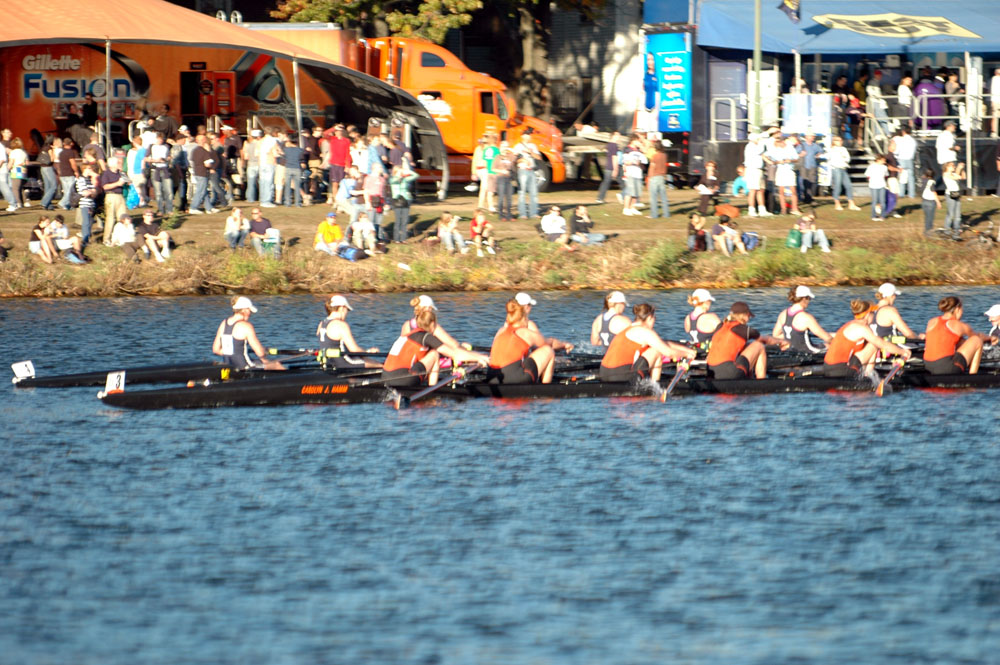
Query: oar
(884,383)
(316,352)
(403,402)
(681,371)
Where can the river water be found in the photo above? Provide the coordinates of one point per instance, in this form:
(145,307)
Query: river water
(807,528)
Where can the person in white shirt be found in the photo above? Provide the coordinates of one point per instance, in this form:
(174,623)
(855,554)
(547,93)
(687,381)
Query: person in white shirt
(904,94)
(877,173)
(945,146)
(995,99)
(906,153)
(784,157)
(123,233)
(554,227)
(632,162)
(839,159)
(753,163)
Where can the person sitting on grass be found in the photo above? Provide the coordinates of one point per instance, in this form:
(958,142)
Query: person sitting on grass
(149,235)
(553,225)
(328,235)
(262,232)
(482,233)
(580,228)
(236,229)
(124,232)
(40,241)
(806,225)
(362,233)
(64,242)
(449,235)
(727,238)
(698,239)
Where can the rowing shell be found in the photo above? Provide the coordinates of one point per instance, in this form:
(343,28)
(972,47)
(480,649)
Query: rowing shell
(323,388)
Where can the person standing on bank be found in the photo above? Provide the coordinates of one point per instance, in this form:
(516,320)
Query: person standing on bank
(236,336)
(929,201)
(400,183)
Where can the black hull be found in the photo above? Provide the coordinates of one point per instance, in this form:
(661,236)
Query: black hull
(322,388)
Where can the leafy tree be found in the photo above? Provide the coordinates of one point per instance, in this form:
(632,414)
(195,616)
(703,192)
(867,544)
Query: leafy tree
(430,19)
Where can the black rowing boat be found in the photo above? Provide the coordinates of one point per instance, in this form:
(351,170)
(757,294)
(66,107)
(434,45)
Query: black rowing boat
(323,388)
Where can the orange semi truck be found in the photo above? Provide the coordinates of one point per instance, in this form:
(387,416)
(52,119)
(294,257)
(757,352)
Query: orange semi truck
(465,104)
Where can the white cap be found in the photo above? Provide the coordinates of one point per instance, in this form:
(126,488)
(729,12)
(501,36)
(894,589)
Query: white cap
(256,133)
(616,297)
(523,298)
(804,292)
(702,295)
(227,128)
(426,301)
(993,311)
(339,301)
(182,128)
(243,303)
(887,290)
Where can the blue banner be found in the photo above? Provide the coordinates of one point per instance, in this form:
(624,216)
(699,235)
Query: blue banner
(667,81)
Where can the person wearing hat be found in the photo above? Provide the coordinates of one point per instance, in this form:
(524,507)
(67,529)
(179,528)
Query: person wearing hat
(854,346)
(737,350)
(236,336)
(336,339)
(415,355)
(701,324)
(520,354)
(611,321)
(637,352)
(794,323)
(328,235)
(528,302)
(993,314)
(422,303)
(951,346)
(886,321)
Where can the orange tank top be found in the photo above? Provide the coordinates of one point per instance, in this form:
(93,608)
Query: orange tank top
(622,351)
(405,352)
(508,347)
(941,340)
(726,345)
(841,349)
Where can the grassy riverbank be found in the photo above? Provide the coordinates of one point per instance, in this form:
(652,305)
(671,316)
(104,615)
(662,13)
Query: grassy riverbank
(641,253)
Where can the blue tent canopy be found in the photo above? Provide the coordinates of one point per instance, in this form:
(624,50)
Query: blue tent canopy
(855,26)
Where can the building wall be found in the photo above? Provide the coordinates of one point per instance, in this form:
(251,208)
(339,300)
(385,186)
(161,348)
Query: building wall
(600,57)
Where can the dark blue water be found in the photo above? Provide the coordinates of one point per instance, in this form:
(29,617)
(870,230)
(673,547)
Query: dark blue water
(807,528)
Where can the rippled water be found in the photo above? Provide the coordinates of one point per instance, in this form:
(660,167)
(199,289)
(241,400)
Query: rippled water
(807,528)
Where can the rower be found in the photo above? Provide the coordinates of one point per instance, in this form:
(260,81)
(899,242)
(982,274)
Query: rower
(737,350)
(638,352)
(853,349)
(611,321)
(336,339)
(701,323)
(520,354)
(236,336)
(528,302)
(993,313)
(425,303)
(945,352)
(886,321)
(413,358)
(795,323)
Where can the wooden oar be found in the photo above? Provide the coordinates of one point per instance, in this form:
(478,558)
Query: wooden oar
(403,402)
(681,371)
(884,383)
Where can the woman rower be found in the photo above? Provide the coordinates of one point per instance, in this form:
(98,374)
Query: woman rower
(421,304)
(795,323)
(526,301)
(701,324)
(611,321)
(236,336)
(853,348)
(520,354)
(413,358)
(737,350)
(886,321)
(945,352)
(638,352)
(336,339)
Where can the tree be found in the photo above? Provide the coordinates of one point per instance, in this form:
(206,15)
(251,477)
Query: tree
(430,19)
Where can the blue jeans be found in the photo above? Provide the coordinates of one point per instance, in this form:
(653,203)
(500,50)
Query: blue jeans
(841,180)
(505,196)
(68,183)
(930,209)
(399,230)
(274,249)
(200,189)
(658,193)
(267,183)
(253,171)
(953,214)
(86,222)
(163,185)
(527,185)
(51,184)
(293,183)
(909,188)
(878,202)
(602,191)
(819,236)
(219,196)
(235,238)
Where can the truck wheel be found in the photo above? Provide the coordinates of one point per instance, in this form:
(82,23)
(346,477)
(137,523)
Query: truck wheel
(543,173)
